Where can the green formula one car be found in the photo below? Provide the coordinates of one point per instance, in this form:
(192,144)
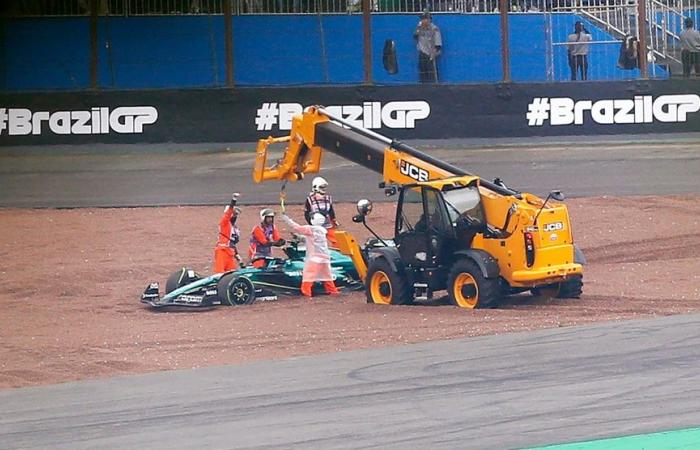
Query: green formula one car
(244,286)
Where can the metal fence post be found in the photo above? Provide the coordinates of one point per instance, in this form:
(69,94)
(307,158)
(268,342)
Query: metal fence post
(94,55)
(505,40)
(642,30)
(228,41)
(367,35)
(549,49)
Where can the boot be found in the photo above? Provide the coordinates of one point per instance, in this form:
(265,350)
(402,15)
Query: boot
(306,288)
(330,288)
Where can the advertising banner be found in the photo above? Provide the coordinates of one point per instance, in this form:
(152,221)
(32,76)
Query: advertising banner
(402,112)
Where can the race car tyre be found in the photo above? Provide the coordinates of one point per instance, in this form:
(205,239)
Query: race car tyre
(181,278)
(384,286)
(468,288)
(571,288)
(235,290)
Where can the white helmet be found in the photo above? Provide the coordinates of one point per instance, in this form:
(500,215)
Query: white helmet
(319,185)
(267,212)
(318,219)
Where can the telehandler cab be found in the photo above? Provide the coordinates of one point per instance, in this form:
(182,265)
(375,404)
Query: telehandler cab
(476,239)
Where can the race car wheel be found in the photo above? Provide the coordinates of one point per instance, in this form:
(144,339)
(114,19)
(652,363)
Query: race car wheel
(384,286)
(235,290)
(181,278)
(468,288)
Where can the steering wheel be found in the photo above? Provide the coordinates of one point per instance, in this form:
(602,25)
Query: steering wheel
(269,260)
(468,220)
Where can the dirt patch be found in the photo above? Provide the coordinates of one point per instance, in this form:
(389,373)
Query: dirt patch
(69,300)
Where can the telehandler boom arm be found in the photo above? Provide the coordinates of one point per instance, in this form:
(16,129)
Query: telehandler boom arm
(317,130)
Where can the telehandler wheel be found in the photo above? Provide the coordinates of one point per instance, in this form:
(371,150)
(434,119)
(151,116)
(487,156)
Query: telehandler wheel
(468,288)
(384,286)
(571,288)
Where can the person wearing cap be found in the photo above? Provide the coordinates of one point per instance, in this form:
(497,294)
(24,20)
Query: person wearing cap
(226,255)
(263,237)
(317,262)
(690,48)
(429,45)
(318,201)
(578,51)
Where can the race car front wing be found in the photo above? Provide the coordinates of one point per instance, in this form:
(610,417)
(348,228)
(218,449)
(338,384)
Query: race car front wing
(151,296)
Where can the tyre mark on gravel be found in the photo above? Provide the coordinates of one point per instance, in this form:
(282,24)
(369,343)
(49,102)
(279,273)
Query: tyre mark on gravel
(684,246)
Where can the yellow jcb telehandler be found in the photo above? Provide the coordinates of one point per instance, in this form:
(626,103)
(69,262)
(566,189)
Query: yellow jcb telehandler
(478,240)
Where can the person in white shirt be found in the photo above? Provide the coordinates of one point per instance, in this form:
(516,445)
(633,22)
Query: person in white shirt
(429,45)
(578,51)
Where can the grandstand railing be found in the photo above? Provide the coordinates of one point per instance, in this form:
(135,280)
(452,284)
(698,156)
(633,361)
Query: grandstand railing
(663,24)
(612,12)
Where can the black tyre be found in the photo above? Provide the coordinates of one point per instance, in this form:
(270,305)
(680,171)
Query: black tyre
(468,288)
(384,286)
(181,278)
(235,290)
(571,288)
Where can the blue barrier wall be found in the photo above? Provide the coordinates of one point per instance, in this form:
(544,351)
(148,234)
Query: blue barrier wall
(45,53)
(471,47)
(602,58)
(293,53)
(161,52)
(188,51)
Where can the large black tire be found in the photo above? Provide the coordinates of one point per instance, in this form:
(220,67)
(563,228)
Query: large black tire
(234,290)
(180,278)
(571,288)
(467,286)
(384,286)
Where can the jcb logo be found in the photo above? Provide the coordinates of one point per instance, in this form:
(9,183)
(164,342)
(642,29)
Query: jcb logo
(413,171)
(554,226)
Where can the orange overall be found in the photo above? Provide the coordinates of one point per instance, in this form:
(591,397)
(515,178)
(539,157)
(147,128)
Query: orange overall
(261,239)
(225,252)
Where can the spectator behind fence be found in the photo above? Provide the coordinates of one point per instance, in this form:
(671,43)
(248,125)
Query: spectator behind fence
(629,54)
(429,45)
(690,48)
(578,51)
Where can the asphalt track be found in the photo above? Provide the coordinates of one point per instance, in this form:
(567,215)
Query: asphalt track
(507,391)
(152,176)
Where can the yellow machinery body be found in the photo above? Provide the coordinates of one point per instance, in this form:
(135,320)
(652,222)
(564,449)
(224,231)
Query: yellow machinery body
(545,223)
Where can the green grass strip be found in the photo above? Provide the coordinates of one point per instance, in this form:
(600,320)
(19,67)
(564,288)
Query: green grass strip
(667,440)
